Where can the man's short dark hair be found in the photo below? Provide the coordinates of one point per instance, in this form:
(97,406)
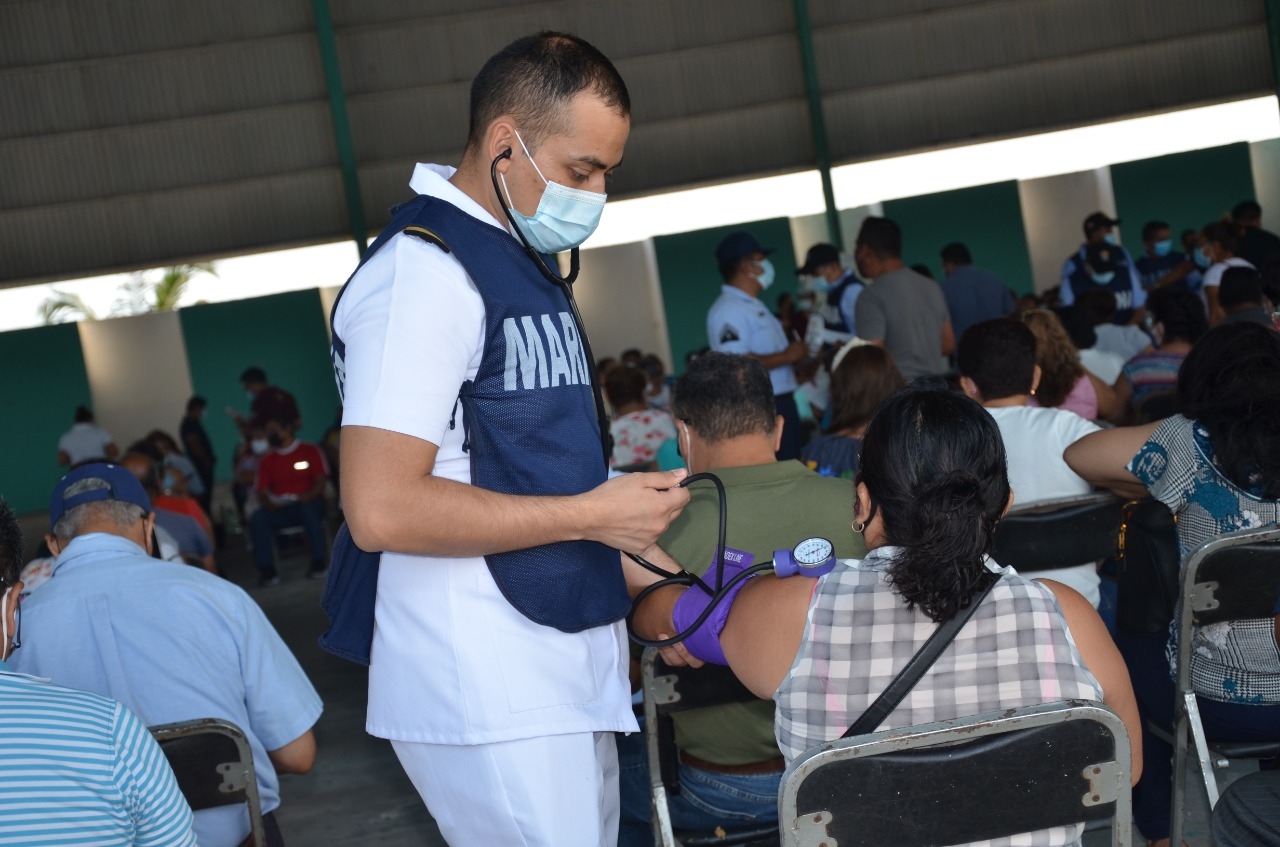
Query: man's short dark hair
(1240,286)
(722,396)
(150,478)
(196,403)
(11,549)
(1150,228)
(625,385)
(999,356)
(1079,324)
(84,414)
(729,269)
(533,78)
(1221,233)
(1100,304)
(882,237)
(253,374)
(1246,210)
(956,253)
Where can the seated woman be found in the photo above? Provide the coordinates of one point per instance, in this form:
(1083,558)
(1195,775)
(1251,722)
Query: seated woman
(859,382)
(932,489)
(1217,467)
(638,430)
(1179,322)
(1064,382)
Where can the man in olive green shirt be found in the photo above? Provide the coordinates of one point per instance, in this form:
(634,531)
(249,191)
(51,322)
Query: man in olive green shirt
(730,764)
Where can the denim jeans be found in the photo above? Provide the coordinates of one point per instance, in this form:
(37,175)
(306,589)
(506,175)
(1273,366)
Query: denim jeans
(706,799)
(265,523)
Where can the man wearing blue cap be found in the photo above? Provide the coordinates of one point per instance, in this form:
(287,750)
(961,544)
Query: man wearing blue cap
(172,643)
(739,323)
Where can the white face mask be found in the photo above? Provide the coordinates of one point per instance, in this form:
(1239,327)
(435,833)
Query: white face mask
(767,274)
(259,446)
(565,216)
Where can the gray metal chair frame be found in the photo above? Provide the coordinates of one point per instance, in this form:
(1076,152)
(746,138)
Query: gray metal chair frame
(662,696)
(197,752)
(1104,785)
(1209,601)
(1059,533)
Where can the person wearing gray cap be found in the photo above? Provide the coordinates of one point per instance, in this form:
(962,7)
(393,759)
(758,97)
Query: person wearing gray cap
(738,322)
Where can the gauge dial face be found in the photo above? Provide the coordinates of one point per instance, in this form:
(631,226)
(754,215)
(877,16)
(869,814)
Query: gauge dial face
(813,551)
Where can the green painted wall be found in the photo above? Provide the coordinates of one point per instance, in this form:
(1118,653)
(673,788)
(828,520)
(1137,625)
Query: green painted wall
(285,335)
(1186,190)
(42,384)
(691,281)
(987,219)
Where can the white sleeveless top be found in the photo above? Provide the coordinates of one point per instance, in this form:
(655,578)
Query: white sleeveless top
(1015,651)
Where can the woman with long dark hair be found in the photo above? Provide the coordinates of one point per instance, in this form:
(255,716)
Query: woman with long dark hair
(931,491)
(859,382)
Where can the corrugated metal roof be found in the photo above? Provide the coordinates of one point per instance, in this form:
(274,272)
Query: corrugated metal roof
(142,132)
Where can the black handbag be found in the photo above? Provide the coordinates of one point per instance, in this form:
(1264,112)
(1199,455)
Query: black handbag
(1148,572)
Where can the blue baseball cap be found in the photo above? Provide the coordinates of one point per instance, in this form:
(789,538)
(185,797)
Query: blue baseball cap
(735,245)
(122,485)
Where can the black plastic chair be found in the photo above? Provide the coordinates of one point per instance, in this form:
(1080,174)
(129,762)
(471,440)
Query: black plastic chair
(213,763)
(1232,577)
(1157,407)
(1059,533)
(668,690)
(992,775)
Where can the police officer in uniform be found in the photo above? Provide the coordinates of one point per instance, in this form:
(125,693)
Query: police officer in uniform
(841,285)
(1113,269)
(739,323)
(472,460)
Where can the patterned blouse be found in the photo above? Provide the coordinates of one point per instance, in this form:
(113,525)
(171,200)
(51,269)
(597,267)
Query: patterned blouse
(638,435)
(1016,651)
(1233,661)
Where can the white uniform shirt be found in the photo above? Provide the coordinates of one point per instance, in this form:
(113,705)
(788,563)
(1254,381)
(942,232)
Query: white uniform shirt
(739,323)
(453,662)
(84,441)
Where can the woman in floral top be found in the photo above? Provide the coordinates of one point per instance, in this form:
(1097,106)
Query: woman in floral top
(637,429)
(1217,468)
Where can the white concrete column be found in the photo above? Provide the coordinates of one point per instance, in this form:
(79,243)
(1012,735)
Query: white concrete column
(620,297)
(1053,212)
(1264,156)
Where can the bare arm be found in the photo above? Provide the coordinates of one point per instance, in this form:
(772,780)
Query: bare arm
(393,502)
(1108,403)
(1100,458)
(948,339)
(63,457)
(111,450)
(765,629)
(297,756)
(1105,663)
(1123,393)
(792,353)
(1215,307)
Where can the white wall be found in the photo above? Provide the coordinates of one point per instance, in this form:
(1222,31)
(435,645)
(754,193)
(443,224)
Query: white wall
(1265,158)
(620,298)
(138,374)
(1053,212)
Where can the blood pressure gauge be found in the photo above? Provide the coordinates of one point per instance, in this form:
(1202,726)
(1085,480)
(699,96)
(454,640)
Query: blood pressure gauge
(812,557)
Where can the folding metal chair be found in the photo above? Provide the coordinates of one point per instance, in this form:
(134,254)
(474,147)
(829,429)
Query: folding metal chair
(668,690)
(1235,576)
(1059,533)
(970,779)
(213,763)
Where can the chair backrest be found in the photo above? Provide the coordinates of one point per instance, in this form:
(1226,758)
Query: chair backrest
(213,763)
(1156,407)
(988,776)
(1235,576)
(1059,533)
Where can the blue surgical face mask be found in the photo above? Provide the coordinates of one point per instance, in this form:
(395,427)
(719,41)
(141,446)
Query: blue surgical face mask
(1203,261)
(1104,278)
(767,274)
(1111,238)
(1163,248)
(565,216)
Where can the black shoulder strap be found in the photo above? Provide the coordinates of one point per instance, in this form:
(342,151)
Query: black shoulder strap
(919,665)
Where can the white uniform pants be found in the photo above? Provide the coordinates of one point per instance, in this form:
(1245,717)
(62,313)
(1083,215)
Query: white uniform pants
(550,791)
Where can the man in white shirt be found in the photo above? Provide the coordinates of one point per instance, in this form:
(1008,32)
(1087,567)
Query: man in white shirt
(738,322)
(85,441)
(502,722)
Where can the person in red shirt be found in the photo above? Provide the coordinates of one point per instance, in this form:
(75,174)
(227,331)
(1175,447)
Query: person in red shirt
(290,488)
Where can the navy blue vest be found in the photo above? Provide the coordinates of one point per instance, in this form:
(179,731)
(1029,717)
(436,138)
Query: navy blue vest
(834,296)
(1082,282)
(530,428)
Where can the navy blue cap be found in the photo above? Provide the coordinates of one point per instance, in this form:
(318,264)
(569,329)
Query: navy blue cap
(735,245)
(122,485)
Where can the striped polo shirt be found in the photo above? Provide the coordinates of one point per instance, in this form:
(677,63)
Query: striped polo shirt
(79,769)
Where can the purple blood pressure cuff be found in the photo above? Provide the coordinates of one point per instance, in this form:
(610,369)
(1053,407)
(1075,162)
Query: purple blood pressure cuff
(704,642)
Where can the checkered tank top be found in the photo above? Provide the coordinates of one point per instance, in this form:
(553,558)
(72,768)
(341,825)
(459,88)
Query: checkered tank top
(1015,651)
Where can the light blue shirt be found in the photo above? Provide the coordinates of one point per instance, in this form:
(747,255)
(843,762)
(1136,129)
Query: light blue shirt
(76,768)
(173,643)
(739,323)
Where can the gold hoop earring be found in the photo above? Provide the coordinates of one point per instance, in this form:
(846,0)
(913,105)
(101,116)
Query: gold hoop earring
(859,527)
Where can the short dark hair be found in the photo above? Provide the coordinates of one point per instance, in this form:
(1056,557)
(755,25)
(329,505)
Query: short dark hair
(150,478)
(1150,228)
(957,254)
(729,269)
(1230,384)
(84,414)
(625,384)
(1221,233)
(196,402)
(1240,286)
(1246,210)
(882,237)
(999,356)
(652,366)
(723,396)
(1100,304)
(1079,324)
(865,377)
(1180,312)
(253,374)
(533,78)
(12,551)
